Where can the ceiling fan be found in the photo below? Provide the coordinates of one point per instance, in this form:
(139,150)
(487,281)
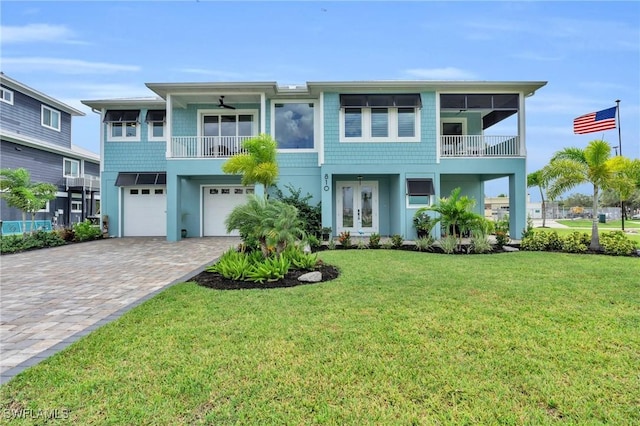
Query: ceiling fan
(221,104)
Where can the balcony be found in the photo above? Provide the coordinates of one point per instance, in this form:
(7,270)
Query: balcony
(206,146)
(480,146)
(88,182)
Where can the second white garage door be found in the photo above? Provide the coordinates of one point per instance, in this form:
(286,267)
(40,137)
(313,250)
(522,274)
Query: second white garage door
(145,211)
(218,202)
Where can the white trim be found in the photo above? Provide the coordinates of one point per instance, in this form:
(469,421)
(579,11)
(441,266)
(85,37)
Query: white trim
(316,120)
(253,112)
(152,138)
(461,120)
(3,95)
(375,206)
(392,126)
(124,137)
(52,113)
(71,160)
(45,209)
(263,110)
(169,127)
(321,130)
(76,201)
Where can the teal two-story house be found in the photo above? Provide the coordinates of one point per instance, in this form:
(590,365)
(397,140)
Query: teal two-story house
(372,152)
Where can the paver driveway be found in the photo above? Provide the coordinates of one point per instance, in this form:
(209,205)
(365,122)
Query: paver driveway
(50,298)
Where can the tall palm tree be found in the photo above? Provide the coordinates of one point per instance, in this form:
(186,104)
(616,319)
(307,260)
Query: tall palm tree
(257,164)
(537,178)
(571,167)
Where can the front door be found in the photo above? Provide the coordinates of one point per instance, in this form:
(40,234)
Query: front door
(357,207)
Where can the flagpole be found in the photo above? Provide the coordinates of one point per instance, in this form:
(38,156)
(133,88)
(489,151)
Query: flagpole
(620,152)
(619,132)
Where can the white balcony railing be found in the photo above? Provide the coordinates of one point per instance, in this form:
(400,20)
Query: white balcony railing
(206,146)
(480,146)
(88,182)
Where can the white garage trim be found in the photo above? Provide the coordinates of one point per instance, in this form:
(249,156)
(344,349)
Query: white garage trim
(216,202)
(144,211)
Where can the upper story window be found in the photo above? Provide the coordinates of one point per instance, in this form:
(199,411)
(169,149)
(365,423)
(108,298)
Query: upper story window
(71,168)
(50,118)
(156,120)
(294,124)
(237,124)
(123,125)
(380,118)
(6,95)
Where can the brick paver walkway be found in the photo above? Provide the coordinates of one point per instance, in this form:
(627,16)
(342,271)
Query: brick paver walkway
(50,298)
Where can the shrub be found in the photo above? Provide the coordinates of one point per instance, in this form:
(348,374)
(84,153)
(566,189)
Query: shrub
(575,242)
(270,269)
(449,244)
(528,230)
(85,231)
(362,244)
(374,240)
(232,265)
(502,231)
(480,243)
(300,259)
(396,241)
(345,239)
(616,243)
(66,234)
(554,242)
(310,215)
(11,243)
(331,245)
(424,243)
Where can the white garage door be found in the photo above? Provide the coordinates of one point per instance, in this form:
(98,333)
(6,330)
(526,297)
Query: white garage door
(145,211)
(218,202)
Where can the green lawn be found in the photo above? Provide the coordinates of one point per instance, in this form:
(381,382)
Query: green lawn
(612,224)
(400,338)
(634,235)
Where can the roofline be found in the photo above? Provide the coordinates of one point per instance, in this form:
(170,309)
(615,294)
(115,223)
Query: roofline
(79,152)
(124,102)
(436,85)
(162,89)
(16,85)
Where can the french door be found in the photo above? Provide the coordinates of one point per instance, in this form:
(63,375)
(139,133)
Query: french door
(357,207)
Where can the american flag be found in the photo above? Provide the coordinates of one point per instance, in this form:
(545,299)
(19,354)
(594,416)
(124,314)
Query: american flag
(595,121)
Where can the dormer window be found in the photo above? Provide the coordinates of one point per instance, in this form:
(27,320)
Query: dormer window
(380,118)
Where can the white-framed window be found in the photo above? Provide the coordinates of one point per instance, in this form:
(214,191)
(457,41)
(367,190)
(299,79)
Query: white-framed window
(294,124)
(50,118)
(71,168)
(45,209)
(380,117)
(6,95)
(419,192)
(222,133)
(123,125)
(156,124)
(76,206)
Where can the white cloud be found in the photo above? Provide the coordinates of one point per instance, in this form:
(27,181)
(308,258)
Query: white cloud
(37,33)
(64,66)
(448,73)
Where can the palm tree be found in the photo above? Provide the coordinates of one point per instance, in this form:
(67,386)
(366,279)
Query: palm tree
(625,180)
(258,164)
(455,213)
(537,178)
(19,192)
(571,167)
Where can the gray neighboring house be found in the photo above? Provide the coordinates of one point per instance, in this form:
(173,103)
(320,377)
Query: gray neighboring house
(35,132)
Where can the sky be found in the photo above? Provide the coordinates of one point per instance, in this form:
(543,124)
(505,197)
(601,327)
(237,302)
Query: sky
(588,52)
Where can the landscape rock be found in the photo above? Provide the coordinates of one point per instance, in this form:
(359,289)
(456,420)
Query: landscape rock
(509,248)
(311,277)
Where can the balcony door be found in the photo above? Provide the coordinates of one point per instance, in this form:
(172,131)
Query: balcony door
(357,207)
(223,133)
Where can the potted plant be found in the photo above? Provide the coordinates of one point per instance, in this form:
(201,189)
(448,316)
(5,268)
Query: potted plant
(423,222)
(326,233)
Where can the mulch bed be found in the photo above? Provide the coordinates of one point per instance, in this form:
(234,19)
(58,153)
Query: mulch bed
(218,282)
